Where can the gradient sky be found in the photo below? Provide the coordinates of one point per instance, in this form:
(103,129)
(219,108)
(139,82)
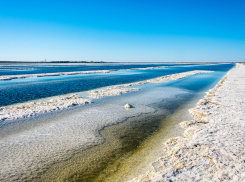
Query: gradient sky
(125,30)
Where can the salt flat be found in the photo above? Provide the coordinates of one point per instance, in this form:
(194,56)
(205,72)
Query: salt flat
(213,145)
(32,147)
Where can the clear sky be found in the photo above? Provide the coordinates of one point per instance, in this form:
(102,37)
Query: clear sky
(122,30)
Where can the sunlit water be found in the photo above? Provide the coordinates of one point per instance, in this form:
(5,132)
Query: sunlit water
(21,90)
(24,68)
(101,141)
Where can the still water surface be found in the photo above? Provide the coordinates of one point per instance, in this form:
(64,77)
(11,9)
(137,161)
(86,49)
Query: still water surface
(93,143)
(21,90)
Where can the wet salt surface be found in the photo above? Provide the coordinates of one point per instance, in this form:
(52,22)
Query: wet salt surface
(31,147)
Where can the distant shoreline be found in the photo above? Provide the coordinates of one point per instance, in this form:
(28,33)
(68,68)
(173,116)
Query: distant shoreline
(43,62)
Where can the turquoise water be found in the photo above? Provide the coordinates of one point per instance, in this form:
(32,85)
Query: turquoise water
(21,90)
(35,68)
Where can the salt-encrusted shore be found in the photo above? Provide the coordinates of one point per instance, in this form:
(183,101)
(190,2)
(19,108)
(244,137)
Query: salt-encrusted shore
(213,146)
(11,77)
(118,90)
(29,109)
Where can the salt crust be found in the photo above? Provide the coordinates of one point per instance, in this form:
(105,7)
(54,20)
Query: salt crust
(33,108)
(213,146)
(11,77)
(30,109)
(118,90)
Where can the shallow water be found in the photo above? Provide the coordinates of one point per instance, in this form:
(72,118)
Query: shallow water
(92,142)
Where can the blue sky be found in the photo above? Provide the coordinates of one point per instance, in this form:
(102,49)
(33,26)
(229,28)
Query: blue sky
(125,31)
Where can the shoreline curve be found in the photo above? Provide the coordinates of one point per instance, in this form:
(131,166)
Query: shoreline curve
(212,148)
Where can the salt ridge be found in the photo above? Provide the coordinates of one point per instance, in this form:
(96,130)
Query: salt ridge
(11,77)
(213,145)
(118,90)
(30,109)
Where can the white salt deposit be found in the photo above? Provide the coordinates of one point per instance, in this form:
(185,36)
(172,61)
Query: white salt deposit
(118,90)
(213,146)
(29,109)
(10,77)
(110,91)
(148,68)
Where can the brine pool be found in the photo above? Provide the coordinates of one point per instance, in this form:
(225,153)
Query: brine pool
(102,141)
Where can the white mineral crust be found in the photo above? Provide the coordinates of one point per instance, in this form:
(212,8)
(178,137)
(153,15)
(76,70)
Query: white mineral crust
(33,108)
(213,146)
(11,77)
(118,90)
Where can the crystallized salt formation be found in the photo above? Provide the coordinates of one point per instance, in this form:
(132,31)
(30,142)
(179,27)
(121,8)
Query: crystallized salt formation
(118,90)
(213,146)
(11,77)
(33,108)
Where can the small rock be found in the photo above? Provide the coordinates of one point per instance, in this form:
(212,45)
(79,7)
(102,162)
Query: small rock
(127,106)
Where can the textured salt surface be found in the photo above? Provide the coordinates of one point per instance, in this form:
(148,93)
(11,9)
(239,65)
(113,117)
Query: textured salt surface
(213,146)
(30,109)
(118,90)
(11,77)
